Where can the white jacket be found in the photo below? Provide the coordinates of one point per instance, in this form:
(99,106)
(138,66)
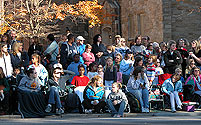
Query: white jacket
(5,63)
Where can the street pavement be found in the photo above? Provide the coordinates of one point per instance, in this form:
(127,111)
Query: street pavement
(156,117)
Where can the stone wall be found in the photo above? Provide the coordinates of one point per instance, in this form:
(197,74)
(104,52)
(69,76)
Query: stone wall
(142,17)
(185,23)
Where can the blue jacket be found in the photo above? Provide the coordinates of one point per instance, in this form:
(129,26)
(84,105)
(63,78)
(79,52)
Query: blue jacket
(168,86)
(74,68)
(90,93)
(81,49)
(125,68)
(17,62)
(53,50)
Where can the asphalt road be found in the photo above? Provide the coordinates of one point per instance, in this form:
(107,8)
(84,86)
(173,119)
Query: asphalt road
(143,120)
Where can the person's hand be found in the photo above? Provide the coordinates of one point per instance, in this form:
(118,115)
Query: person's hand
(95,103)
(1,91)
(192,54)
(115,102)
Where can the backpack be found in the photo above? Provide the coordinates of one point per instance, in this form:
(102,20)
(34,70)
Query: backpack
(133,102)
(73,103)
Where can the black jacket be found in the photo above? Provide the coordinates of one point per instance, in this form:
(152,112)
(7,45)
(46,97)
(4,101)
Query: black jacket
(38,49)
(177,61)
(110,75)
(16,62)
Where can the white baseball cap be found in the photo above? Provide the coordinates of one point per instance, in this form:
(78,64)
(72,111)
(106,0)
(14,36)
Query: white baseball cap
(80,38)
(57,65)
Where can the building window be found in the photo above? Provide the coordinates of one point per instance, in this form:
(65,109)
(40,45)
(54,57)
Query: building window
(139,21)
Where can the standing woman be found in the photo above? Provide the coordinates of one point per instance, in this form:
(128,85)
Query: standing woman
(5,60)
(196,52)
(18,57)
(41,71)
(97,47)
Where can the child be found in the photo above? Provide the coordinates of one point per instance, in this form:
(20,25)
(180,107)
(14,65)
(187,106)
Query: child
(110,73)
(100,71)
(178,71)
(126,66)
(40,69)
(4,92)
(117,100)
(119,74)
(151,68)
(80,81)
(172,87)
(159,71)
(92,71)
(73,66)
(88,56)
(93,95)
(109,52)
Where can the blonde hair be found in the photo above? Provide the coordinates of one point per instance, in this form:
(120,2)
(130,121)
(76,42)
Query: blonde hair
(197,48)
(16,46)
(93,80)
(1,47)
(118,84)
(154,59)
(36,56)
(106,66)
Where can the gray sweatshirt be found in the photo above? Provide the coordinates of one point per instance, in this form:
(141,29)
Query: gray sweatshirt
(119,96)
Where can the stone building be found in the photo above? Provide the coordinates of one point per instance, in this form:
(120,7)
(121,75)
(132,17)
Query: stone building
(162,20)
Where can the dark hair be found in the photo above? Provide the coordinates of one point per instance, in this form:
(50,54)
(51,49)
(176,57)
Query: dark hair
(2,75)
(77,54)
(177,77)
(95,39)
(137,70)
(51,37)
(81,66)
(170,43)
(29,71)
(118,66)
(70,36)
(192,70)
(91,65)
(137,37)
(146,38)
(137,60)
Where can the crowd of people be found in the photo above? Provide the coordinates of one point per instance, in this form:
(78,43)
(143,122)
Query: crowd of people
(95,68)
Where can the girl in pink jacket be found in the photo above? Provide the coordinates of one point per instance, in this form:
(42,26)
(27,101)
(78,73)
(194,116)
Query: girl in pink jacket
(88,56)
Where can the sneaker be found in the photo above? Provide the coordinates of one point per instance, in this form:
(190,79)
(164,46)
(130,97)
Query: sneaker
(49,108)
(173,110)
(147,110)
(115,115)
(118,116)
(59,111)
(179,107)
(143,110)
(88,111)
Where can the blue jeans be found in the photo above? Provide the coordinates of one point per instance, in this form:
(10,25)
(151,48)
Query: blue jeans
(54,97)
(113,109)
(142,95)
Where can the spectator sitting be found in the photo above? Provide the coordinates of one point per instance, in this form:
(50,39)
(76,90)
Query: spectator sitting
(4,93)
(138,85)
(54,97)
(73,66)
(100,59)
(80,81)
(93,95)
(80,46)
(40,69)
(109,51)
(172,87)
(119,74)
(178,71)
(190,65)
(92,71)
(117,100)
(100,71)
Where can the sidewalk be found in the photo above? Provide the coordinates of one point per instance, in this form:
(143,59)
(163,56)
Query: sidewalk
(105,115)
